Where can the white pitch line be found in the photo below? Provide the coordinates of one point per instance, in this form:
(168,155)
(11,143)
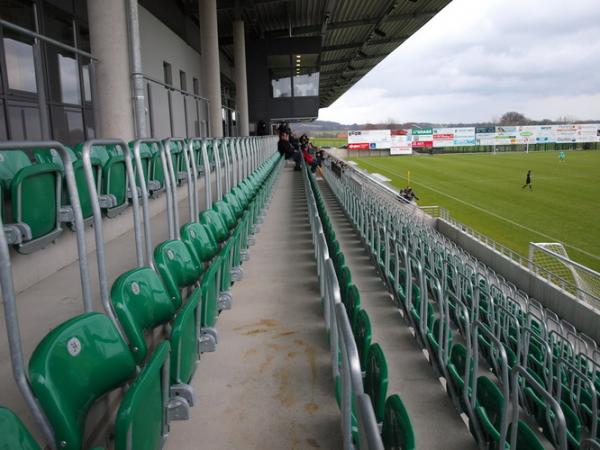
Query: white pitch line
(591,255)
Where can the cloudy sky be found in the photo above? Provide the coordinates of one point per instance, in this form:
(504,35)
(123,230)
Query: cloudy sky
(477,59)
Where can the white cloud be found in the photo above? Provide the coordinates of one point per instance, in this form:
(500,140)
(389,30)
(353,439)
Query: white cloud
(480,58)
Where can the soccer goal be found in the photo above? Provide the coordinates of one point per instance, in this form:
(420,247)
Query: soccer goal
(551,261)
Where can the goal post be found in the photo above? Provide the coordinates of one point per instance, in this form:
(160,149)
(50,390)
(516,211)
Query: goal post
(551,261)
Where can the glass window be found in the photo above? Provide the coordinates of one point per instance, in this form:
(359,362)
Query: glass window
(280,70)
(182,81)
(306,85)
(20,65)
(24,122)
(3,134)
(87,84)
(19,12)
(58,24)
(74,122)
(90,128)
(168,73)
(69,80)
(196,84)
(67,124)
(282,87)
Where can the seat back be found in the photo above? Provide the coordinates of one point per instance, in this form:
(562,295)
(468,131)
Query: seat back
(352,302)
(114,173)
(51,156)
(75,364)
(177,268)
(141,303)
(13,434)
(491,400)
(200,241)
(35,192)
(376,379)
(362,335)
(213,220)
(226,213)
(210,293)
(345,282)
(140,422)
(397,431)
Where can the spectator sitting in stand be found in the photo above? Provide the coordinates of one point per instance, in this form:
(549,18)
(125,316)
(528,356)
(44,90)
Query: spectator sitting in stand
(286,149)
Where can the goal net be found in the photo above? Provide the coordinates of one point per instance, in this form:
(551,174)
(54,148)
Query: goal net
(551,261)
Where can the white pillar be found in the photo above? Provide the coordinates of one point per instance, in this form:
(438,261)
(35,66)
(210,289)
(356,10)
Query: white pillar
(211,69)
(108,39)
(241,82)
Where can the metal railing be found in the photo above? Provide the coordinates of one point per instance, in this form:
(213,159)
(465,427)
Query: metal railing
(346,370)
(440,213)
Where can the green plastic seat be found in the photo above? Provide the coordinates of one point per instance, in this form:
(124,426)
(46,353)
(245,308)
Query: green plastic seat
(141,421)
(397,431)
(141,304)
(13,434)
(227,215)
(177,268)
(345,281)
(376,379)
(114,175)
(457,369)
(74,365)
(539,410)
(489,408)
(45,156)
(209,290)
(526,438)
(433,336)
(352,302)
(214,221)
(362,335)
(200,241)
(234,204)
(34,196)
(156,170)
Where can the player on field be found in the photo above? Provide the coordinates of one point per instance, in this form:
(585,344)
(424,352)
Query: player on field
(562,156)
(528,181)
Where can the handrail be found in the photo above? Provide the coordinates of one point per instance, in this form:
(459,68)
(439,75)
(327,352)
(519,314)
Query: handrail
(8,292)
(342,343)
(97,217)
(47,39)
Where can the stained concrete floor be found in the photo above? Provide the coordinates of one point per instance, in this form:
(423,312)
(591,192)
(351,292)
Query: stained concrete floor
(269,385)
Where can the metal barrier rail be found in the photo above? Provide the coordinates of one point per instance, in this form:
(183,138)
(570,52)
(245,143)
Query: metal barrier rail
(443,214)
(354,402)
(436,265)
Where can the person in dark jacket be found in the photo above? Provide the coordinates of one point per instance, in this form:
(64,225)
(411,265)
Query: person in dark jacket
(287,150)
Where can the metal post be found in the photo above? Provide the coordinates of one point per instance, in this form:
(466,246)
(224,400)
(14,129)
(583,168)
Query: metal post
(168,189)
(207,176)
(145,207)
(171,174)
(97,217)
(137,79)
(217,158)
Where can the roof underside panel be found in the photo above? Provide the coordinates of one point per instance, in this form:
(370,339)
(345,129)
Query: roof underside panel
(358,33)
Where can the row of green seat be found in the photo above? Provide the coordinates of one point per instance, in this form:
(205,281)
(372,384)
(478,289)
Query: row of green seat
(390,413)
(442,305)
(33,197)
(86,357)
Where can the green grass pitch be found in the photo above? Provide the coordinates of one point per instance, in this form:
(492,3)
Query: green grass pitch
(484,191)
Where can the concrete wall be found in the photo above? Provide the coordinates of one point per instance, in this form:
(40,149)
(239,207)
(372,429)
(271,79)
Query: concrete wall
(160,44)
(580,314)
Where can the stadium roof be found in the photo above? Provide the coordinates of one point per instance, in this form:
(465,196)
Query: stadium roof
(356,34)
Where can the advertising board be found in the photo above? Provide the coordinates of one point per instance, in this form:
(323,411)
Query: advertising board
(369,139)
